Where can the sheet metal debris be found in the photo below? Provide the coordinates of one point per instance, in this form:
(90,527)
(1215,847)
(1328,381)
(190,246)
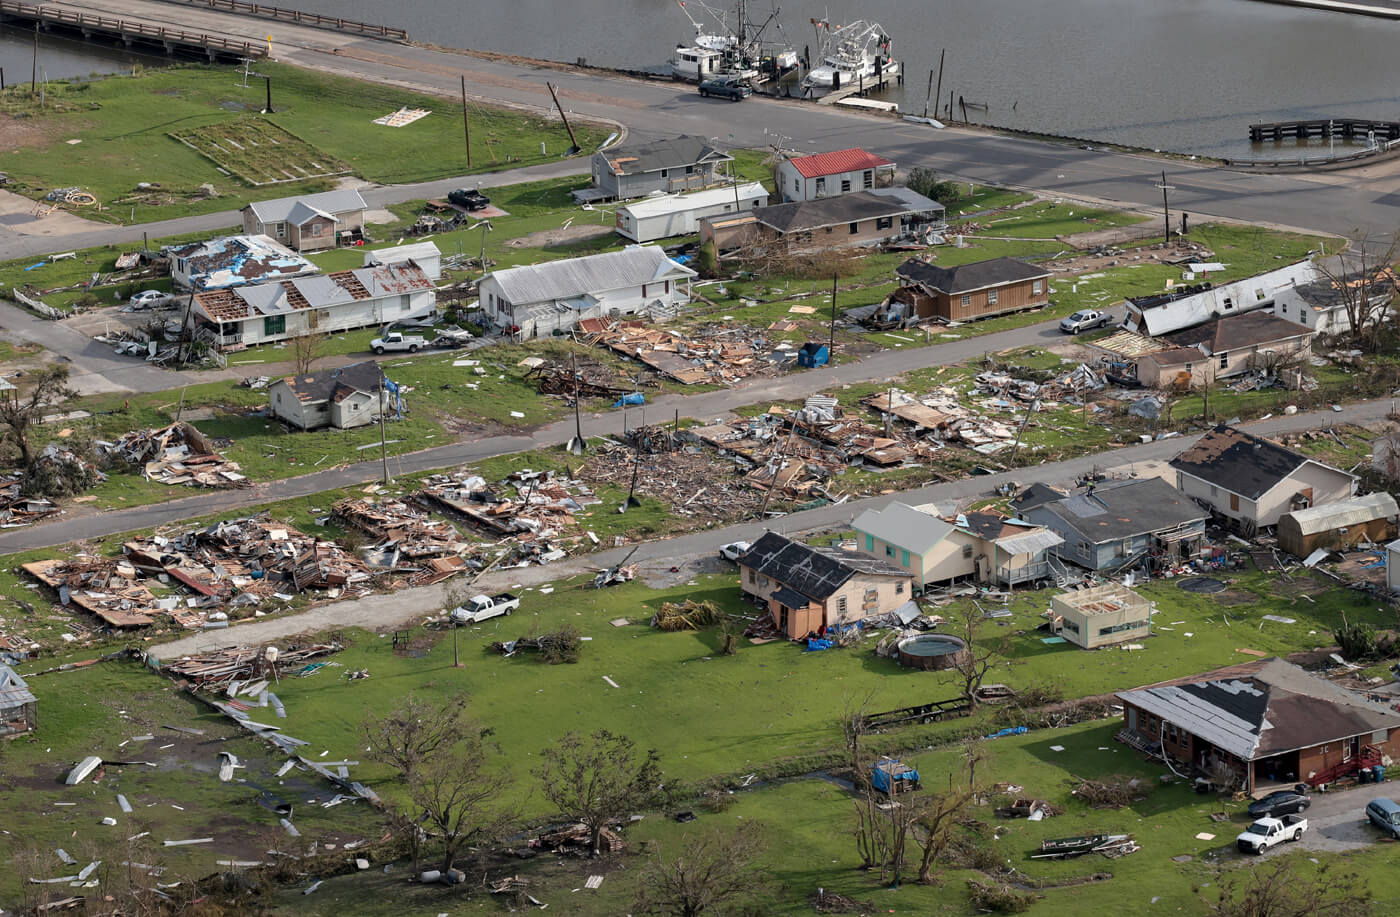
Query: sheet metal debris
(177,455)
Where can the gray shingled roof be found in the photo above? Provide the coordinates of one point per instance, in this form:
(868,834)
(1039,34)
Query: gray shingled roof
(322,386)
(902,525)
(572,277)
(800,216)
(1248,330)
(674,152)
(285,209)
(965,278)
(1122,510)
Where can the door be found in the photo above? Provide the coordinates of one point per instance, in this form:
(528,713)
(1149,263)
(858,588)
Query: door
(1132,719)
(783,618)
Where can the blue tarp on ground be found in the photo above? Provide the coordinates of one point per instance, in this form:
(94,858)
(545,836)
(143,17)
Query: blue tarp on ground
(814,644)
(1008,731)
(633,398)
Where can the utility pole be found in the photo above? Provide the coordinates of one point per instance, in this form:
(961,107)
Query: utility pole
(34,71)
(268,109)
(578,445)
(939,93)
(383,444)
(831,337)
(1166,213)
(565,118)
(466,127)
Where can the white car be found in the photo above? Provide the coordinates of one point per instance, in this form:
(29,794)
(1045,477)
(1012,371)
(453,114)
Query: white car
(734,550)
(1084,320)
(148,299)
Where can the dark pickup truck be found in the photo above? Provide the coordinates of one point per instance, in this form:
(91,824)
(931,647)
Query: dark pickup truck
(726,88)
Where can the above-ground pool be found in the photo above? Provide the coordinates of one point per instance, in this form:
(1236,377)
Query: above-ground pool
(932,651)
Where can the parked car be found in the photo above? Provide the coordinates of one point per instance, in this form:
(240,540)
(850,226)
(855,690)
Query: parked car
(1084,320)
(149,299)
(1281,802)
(469,198)
(397,340)
(734,550)
(1384,814)
(726,87)
(483,607)
(1266,832)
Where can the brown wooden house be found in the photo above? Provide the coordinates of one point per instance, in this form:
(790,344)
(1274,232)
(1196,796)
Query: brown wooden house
(970,291)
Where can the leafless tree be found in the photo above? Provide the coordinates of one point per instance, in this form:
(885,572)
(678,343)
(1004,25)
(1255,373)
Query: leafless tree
(716,870)
(306,350)
(939,812)
(22,408)
(597,779)
(1284,889)
(973,665)
(415,730)
(1366,286)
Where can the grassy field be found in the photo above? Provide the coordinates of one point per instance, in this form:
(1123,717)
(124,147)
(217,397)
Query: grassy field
(125,124)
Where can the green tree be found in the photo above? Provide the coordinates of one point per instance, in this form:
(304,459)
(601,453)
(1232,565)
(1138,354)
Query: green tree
(598,779)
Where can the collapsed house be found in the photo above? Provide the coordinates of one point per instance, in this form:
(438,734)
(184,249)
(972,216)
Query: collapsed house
(177,455)
(406,539)
(16,509)
(19,708)
(533,511)
(720,356)
(1100,615)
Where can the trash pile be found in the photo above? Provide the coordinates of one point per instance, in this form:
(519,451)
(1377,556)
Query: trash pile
(100,586)
(687,615)
(407,539)
(714,353)
(589,378)
(690,481)
(232,670)
(16,509)
(577,840)
(532,509)
(177,454)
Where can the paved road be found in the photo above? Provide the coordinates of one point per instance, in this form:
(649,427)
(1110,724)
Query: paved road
(379,612)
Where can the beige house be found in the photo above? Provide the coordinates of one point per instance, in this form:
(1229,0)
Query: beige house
(811,590)
(1241,343)
(1251,482)
(310,222)
(1100,615)
(1178,368)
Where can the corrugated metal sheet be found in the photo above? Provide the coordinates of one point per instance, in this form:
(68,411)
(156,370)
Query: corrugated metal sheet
(1030,542)
(572,277)
(834,163)
(13,691)
(680,203)
(1355,511)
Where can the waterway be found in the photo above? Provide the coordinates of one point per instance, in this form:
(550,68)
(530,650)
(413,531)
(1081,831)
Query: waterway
(1181,75)
(59,58)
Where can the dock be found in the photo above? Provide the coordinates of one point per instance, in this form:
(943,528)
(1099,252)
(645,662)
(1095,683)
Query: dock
(1346,128)
(861,89)
(132,33)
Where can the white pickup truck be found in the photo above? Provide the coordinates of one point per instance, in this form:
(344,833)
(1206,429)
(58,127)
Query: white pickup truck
(481,607)
(397,340)
(1084,320)
(1266,832)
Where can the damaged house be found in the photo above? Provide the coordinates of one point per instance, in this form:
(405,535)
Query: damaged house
(232,319)
(968,291)
(1330,308)
(1268,724)
(1340,525)
(1163,313)
(234,261)
(861,218)
(1250,481)
(539,299)
(1116,526)
(343,398)
(309,222)
(19,708)
(683,163)
(1238,344)
(808,590)
(808,178)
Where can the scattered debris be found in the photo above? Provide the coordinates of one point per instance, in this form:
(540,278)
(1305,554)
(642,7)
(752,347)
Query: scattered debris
(177,454)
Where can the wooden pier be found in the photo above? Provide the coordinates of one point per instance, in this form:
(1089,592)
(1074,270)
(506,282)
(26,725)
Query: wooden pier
(131,33)
(1346,128)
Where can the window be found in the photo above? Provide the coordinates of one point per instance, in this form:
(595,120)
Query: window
(1120,549)
(663,173)
(1229,303)
(1037,287)
(1081,548)
(899,588)
(1119,628)
(845,185)
(1069,626)
(831,229)
(752,577)
(690,170)
(884,222)
(274,324)
(889,550)
(726,208)
(404,304)
(966,301)
(841,605)
(316,228)
(1258,295)
(991,297)
(855,228)
(967,550)
(868,179)
(796,187)
(279,230)
(1224,360)
(821,186)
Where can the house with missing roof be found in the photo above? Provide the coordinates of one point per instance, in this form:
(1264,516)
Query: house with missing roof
(1102,615)
(809,178)
(233,261)
(861,218)
(536,300)
(344,398)
(968,291)
(1249,482)
(425,255)
(1329,307)
(19,708)
(1120,525)
(308,222)
(1193,304)
(684,163)
(238,317)
(808,590)
(1267,722)
(939,550)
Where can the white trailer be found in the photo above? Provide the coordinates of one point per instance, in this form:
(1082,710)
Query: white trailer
(1201,301)
(680,214)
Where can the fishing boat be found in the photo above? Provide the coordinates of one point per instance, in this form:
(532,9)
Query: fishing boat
(853,54)
(741,51)
(1066,847)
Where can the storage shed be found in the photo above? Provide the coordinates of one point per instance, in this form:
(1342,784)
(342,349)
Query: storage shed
(1338,525)
(19,708)
(679,214)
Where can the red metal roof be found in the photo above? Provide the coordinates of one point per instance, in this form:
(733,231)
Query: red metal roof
(853,160)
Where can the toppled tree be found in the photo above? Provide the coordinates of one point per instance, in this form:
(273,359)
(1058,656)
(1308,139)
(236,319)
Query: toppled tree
(1356,641)
(998,897)
(1283,889)
(447,764)
(716,870)
(939,812)
(21,409)
(1112,792)
(597,779)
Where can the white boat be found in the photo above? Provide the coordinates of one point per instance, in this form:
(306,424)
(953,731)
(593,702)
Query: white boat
(717,48)
(696,63)
(852,55)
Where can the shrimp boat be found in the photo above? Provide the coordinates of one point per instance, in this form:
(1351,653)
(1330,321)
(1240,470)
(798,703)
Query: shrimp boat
(740,52)
(855,54)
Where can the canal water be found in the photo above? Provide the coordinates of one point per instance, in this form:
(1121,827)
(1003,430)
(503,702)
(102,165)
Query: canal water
(60,59)
(1181,75)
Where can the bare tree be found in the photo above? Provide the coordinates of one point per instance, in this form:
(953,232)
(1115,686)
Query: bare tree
(21,409)
(974,664)
(716,870)
(939,812)
(415,730)
(598,779)
(1365,285)
(1282,889)
(306,350)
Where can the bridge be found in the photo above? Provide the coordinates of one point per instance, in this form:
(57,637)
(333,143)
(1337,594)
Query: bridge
(133,33)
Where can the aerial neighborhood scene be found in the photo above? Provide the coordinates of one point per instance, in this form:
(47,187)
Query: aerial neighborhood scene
(699,458)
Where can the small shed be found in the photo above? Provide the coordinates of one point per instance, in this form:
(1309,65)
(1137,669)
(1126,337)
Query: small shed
(19,708)
(1369,519)
(1100,615)
(813,354)
(892,776)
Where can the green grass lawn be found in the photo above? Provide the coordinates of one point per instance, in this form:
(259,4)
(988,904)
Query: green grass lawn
(125,124)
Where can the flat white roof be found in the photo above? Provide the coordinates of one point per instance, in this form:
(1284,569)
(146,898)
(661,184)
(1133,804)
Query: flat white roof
(676,203)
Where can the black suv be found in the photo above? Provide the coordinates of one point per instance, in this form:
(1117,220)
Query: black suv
(726,88)
(470,198)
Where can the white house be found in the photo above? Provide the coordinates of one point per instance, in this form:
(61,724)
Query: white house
(232,261)
(539,299)
(807,178)
(1162,313)
(1392,566)
(424,254)
(679,215)
(239,317)
(343,397)
(1322,306)
(307,223)
(1250,481)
